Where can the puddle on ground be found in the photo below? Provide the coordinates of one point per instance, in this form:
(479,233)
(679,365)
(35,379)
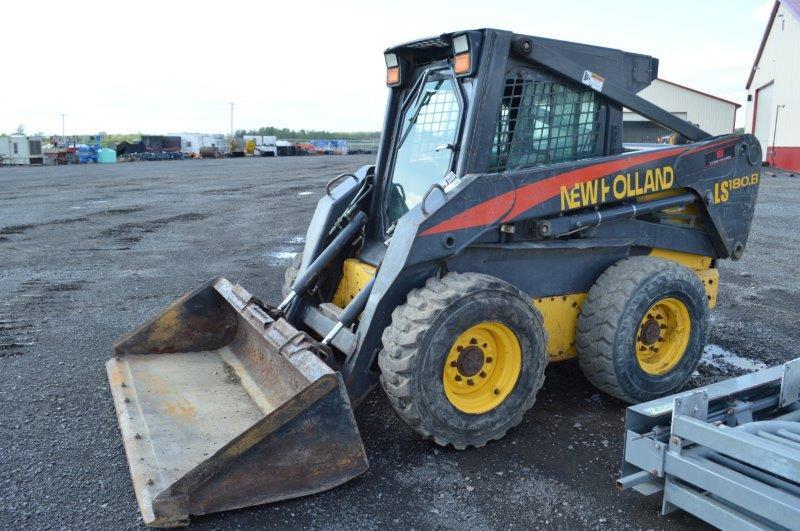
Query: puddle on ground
(285,255)
(280,257)
(713,354)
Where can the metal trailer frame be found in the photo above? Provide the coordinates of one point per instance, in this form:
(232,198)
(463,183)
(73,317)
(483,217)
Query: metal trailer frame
(728,454)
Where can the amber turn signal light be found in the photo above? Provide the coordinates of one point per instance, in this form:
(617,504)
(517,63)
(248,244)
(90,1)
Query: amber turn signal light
(393,76)
(462,63)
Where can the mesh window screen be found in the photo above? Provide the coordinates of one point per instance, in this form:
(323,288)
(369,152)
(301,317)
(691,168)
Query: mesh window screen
(435,124)
(543,122)
(429,123)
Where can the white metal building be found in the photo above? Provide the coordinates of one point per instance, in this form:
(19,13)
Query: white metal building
(710,113)
(773,88)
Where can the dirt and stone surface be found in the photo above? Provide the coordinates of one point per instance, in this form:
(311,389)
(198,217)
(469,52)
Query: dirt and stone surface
(89,252)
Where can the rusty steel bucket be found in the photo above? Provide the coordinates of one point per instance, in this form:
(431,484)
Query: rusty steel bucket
(222,407)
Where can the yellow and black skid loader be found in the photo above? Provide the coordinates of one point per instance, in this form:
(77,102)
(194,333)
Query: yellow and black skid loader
(503,226)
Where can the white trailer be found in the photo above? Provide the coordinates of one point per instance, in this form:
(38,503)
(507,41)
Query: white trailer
(192,142)
(19,150)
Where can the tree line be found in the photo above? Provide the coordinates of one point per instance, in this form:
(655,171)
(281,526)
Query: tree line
(309,134)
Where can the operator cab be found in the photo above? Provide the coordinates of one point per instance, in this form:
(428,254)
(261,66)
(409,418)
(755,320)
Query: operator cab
(488,101)
(426,116)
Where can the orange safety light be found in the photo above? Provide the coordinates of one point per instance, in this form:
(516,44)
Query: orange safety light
(393,76)
(462,63)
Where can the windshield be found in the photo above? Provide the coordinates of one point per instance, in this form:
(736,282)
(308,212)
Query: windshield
(425,145)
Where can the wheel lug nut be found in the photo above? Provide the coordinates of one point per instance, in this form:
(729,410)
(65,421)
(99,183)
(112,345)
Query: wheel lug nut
(453,364)
(497,391)
(459,348)
(473,341)
(470,382)
(485,345)
(458,377)
(488,360)
(483,374)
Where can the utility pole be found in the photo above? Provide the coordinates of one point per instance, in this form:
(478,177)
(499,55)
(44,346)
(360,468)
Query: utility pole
(63,130)
(231,120)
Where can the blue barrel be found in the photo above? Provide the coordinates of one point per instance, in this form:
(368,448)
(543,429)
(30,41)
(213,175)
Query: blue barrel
(106,156)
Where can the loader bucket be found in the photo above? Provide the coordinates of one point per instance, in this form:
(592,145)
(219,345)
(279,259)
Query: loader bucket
(221,407)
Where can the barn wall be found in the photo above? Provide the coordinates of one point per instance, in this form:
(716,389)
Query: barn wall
(779,64)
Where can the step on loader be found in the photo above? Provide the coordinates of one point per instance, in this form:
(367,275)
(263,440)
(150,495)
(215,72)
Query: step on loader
(503,226)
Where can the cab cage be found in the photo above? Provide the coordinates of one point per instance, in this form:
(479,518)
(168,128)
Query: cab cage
(587,87)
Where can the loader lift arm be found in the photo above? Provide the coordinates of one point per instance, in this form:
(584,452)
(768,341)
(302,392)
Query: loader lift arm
(538,50)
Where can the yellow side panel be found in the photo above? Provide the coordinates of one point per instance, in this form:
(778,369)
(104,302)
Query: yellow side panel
(355,275)
(702,268)
(692,261)
(710,280)
(560,313)
(560,322)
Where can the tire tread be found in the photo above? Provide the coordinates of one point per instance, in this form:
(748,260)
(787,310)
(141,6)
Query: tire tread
(403,337)
(600,315)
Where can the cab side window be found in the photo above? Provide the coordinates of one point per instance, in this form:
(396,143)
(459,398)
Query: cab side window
(543,121)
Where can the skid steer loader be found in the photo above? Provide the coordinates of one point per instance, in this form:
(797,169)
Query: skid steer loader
(503,226)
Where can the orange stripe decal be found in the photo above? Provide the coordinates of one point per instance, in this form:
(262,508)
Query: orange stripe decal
(530,195)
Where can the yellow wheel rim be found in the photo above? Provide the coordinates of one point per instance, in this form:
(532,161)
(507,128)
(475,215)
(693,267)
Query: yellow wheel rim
(482,367)
(662,336)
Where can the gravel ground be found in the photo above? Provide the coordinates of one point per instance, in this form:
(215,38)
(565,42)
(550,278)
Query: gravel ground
(89,252)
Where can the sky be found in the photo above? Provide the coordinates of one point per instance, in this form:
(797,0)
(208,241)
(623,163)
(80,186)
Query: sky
(174,66)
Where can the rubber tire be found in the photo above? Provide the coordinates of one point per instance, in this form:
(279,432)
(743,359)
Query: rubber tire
(610,318)
(290,274)
(419,338)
